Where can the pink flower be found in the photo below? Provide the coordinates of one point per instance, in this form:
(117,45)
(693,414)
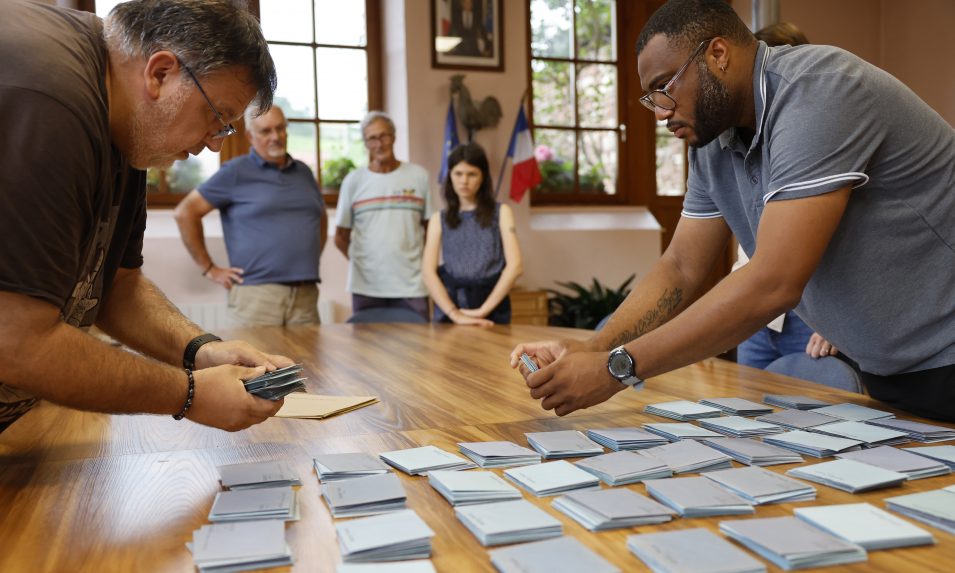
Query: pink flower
(543,153)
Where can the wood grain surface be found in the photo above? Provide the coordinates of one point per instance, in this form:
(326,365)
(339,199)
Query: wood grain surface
(107,493)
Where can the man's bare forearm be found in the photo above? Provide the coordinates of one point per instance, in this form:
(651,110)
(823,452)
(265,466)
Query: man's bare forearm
(665,308)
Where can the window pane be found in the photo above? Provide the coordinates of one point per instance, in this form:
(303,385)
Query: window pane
(286,20)
(338,22)
(555,156)
(595,27)
(296,74)
(671,171)
(597,162)
(184,175)
(301,144)
(553,93)
(597,93)
(551,34)
(342,83)
(103,7)
(342,149)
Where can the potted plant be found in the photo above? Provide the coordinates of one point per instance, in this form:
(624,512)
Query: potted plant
(334,172)
(583,307)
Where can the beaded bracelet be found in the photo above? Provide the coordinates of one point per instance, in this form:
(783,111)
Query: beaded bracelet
(209,268)
(189,396)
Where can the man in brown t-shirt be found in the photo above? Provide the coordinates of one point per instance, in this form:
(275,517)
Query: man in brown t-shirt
(87,105)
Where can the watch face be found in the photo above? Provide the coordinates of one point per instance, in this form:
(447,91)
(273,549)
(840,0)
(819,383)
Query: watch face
(620,364)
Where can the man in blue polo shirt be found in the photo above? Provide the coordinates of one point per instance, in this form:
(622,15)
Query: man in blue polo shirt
(274,223)
(838,182)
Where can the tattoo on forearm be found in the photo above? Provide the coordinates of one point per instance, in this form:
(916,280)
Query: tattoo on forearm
(666,305)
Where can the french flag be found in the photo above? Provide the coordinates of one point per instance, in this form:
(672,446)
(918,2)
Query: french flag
(525,173)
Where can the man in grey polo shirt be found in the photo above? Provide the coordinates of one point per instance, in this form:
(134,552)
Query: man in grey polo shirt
(274,223)
(837,181)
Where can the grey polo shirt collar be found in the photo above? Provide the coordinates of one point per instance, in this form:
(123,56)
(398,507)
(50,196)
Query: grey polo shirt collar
(289,163)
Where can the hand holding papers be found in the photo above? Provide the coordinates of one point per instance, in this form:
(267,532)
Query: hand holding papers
(698,550)
(561,554)
(277,384)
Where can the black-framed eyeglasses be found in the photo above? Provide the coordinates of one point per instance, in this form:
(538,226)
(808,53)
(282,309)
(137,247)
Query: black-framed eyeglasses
(661,98)
(227,128)
(382,138)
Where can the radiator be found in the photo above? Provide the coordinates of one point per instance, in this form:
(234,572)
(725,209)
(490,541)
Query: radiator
(210,316)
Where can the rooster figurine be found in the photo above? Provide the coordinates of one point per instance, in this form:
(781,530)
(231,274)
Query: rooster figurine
(487,112)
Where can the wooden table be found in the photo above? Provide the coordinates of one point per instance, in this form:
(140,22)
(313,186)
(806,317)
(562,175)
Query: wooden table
(95,492)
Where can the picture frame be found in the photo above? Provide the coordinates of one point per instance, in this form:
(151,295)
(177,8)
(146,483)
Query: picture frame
(467,35)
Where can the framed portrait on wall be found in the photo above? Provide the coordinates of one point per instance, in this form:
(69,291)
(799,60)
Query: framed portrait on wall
(467,35)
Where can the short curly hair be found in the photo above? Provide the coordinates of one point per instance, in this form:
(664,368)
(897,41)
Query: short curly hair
(686,23)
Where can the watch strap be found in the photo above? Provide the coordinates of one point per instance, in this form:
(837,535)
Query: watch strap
(189,356)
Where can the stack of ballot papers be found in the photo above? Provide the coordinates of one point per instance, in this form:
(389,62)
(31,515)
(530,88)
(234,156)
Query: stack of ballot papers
(262,503)
(812,443)
(317,407)
(367,495)
(334,467)
(620,468)
(689,456)
(508,522)
(676,431)
(560,554)
(278,383)
(759,486)
(618,439)
(935,507)
(563,444)
(792,544)
(691,550)
(612,509)
(754,453)
(389,537)
(740,427)
(552,478)
(944,454)
(889,458)
(240,546)
(737,406)
(419,461)
(925,433)
(866,433)
(465,488)
(499,454)
(865,525)
(797,419)
(794,402)
(849,475)
(854,412)
(683,410)
(416,566)
(258,474)
(697,497)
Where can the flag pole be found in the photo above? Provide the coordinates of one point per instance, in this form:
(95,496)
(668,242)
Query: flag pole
(500,175)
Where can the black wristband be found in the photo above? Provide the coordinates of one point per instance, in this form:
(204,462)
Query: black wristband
(209,268)
(189,356)
(190,393)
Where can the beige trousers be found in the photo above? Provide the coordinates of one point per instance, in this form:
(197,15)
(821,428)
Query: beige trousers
(274,304)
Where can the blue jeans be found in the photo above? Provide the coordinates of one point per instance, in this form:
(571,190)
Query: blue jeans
(768,345)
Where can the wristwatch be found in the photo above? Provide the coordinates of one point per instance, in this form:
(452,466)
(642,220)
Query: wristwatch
(622,367)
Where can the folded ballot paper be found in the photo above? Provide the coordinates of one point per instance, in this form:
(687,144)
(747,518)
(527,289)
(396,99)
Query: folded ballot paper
(334,467)
(258,474)
(676,431)
(618,439)
(798,419)
(902,461)
(619,468)
(278,383)
(737,406)
(759,486)
(240,546)
(753,452)
(612,509)
(499,454)
(563,444)
(506,522)
(864,525)
(740,427)
(548,556)
(813,443)
(689,456)
(935,507)
(853,412)
(317,407)
(794,402)
(389,537)
(683,410)
(944,454)
(552,478)
(697,497)
(868,434)
(925,433)
(849,475)
(248,504)
(419,461)
(790,543)
(369,495)
(416,566)
(691,550)
(466,488)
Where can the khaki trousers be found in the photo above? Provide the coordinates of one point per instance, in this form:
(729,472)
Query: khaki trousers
(274,304)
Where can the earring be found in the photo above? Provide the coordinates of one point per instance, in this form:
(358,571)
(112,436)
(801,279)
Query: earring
(723,68)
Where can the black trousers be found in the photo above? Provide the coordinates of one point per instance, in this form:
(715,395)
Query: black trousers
(927,393)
